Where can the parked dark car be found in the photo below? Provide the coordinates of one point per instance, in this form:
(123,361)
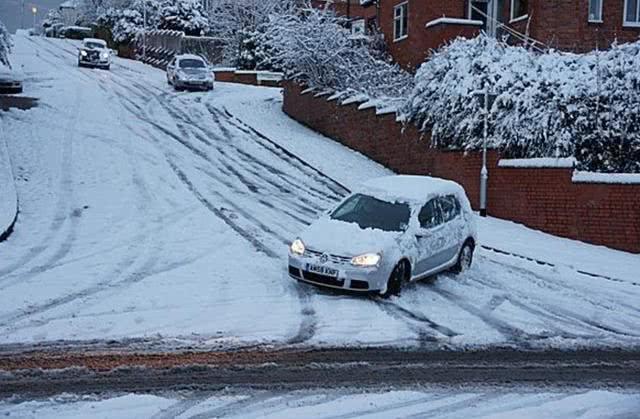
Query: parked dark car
(10,81)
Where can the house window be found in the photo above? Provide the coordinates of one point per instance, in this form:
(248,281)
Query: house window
(519,8)
(358,27)
(632,13)
(400,29)
(595,10)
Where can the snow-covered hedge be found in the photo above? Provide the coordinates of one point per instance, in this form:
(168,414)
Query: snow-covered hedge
(5,45)
(314,47)
(548,105)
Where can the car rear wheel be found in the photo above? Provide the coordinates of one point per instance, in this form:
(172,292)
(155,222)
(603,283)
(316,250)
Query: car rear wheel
(398,276)
(465,258)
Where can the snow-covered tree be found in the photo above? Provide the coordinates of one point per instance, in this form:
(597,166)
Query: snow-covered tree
(240,25)
(5,45)
(316,48)
(187,16)
(52,17)
(549,104)
(125,18)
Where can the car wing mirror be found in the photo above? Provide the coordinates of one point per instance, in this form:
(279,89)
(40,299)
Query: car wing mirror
(422,233)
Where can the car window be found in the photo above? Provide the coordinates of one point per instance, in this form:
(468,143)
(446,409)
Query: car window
(191,63)
(450,207)
(370,212)
(430,215)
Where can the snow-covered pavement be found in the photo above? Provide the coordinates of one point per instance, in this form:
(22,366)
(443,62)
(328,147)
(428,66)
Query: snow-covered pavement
(441,403)
(152,214)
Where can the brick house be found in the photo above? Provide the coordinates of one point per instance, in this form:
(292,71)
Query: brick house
(413,27)
(362,14)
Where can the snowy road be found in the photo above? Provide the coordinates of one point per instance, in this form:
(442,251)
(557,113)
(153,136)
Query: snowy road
(163,217)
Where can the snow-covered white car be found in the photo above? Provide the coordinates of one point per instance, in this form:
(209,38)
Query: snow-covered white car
(189,71)
(392,230)
(94,53)
(10,80)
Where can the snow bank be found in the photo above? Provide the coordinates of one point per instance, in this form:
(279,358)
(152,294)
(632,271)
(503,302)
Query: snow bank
(541,162)
(591,177)
(8,194)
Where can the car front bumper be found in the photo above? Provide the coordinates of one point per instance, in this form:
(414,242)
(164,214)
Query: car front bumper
(194,84)
(94,63)
(349,277)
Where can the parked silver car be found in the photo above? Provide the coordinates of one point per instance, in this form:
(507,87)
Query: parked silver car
(94,53)
(188,71)
(392,230)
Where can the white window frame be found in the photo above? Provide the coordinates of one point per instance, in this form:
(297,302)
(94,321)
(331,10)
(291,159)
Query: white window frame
(402,6)
(628,23)
(358,27)
(599,19)
(516,18)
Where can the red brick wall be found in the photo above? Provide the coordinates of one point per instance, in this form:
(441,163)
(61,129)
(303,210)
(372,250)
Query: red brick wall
(356,11)
(413,50)
(564,24)
(545,199)
(561,24)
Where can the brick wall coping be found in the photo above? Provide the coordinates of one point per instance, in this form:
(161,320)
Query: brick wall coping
(611,178)
(453,21)
(540,162)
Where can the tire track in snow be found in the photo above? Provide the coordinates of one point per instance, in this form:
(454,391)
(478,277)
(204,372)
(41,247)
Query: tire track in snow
(62,214)
(308,324)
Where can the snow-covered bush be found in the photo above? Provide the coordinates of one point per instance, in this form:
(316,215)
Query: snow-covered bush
(52,17)
(125,18)
(240,25)
(5,45)
(315,47)
(550,104)
(187,16)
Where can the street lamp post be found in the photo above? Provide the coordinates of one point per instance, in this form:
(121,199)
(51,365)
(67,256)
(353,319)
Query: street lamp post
(488,98)
(34,10)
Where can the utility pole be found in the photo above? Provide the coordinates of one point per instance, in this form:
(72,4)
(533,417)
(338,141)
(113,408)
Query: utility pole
(144,31)
(22,16)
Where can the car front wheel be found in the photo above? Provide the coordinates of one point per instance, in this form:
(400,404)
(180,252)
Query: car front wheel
(398,276)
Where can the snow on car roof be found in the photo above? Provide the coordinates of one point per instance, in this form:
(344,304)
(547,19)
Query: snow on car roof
(98,41)
(189,57)
(411,188)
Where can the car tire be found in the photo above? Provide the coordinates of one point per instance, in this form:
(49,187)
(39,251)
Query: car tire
(465,257)
(396,279)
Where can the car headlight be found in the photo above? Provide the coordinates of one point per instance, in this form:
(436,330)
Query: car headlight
(83,53)
(105,55)
(368,259)
(181,75)
(297,247)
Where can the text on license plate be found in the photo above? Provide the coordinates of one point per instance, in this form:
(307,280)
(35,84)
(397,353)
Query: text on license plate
(323,270)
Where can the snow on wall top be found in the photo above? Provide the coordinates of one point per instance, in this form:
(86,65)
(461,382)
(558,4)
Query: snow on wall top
(542,162)
(619,178)
(453,21)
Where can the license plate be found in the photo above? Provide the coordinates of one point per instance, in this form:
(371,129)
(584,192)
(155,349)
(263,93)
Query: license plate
(322,270)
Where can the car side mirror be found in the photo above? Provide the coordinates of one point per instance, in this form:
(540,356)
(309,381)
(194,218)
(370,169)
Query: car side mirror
(422,233)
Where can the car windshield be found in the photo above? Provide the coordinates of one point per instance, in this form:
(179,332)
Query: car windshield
(370,212)
(93,45)
(191,63)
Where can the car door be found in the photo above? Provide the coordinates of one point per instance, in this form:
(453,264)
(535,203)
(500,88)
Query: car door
(453,226)
(171,68)
(431,238)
